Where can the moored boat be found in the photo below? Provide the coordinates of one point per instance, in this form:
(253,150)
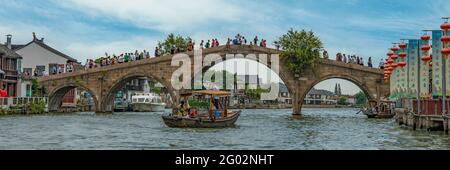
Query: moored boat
(147,102)
(216,115)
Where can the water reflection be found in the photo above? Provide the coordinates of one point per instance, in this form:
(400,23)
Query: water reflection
(256,129)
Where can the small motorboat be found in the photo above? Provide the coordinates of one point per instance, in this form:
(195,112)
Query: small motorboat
(216,115)
(147,102)
(380,110)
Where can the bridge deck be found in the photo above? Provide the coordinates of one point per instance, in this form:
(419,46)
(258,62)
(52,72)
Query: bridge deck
(233,49)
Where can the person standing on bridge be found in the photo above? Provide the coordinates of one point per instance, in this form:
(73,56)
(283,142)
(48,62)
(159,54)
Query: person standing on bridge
(190,46)
(201,44)
(255,41)
(217,43)
(207,45)
(381,64)
(325,52)
(156,52)
(126,58)
(369,63)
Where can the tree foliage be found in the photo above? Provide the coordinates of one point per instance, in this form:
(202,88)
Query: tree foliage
(173,41)
(361,98)
(300,49)
(225,77)
(342,100)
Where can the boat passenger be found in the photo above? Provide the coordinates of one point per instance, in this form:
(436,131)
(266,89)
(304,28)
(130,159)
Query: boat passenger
(183,109)
(217,107)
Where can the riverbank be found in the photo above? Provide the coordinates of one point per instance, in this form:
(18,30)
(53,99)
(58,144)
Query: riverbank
(38,107)
(423,122)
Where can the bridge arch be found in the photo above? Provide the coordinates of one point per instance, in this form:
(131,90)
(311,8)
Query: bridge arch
(282,75)
(114,87)
(57,94)
(358,81)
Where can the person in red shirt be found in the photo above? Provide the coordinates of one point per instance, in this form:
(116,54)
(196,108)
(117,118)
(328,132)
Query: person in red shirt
(3,92)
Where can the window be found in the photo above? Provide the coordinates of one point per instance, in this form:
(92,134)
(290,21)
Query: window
(19,65)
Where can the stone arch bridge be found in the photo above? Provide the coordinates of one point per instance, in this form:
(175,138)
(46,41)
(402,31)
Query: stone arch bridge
(104,82)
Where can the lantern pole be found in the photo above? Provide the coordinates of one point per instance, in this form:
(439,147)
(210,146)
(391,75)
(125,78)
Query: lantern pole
(444,63)
(426,58)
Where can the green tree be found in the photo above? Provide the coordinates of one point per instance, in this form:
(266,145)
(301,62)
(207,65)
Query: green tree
(342,101)
(361,98)
(154,88)
(173,41)
(300,49)
(225,77)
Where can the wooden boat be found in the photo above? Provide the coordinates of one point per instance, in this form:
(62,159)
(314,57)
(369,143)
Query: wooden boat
(380,110)
(206,118)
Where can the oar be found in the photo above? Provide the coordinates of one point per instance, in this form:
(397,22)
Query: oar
(359,112)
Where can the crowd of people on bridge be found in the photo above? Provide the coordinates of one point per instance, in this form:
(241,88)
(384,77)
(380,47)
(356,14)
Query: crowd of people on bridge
(351,59)
(239,39)
(108,60)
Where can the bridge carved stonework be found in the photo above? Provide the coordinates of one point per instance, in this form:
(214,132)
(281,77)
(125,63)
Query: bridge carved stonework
(103,83)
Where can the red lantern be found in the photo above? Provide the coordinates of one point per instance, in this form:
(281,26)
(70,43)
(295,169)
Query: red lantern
(394,65)
(426,48)
(389,72)
(401,64)
(445,38)
(394,49)
(425,37)
(394,57)
(390,53)
(390,69)
(445,51)
(402,54)
(445,26)
(402,45)
(426,58)
(431,64)
(390,61)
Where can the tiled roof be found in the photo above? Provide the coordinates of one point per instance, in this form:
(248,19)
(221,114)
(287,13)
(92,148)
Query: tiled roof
(8,53)
(45,46)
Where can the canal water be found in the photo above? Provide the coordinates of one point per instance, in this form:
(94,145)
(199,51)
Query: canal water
(327,129)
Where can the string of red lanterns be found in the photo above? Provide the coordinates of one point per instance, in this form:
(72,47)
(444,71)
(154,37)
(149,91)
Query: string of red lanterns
(425,48)
(402,55)
(445,39)
(390,65)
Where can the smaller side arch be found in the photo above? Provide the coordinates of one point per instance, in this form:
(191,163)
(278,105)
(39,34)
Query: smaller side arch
(56,96)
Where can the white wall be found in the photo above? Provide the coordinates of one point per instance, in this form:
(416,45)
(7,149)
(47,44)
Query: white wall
(22,88)
(34,55)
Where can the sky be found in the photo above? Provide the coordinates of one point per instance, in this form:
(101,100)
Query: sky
(87,29)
